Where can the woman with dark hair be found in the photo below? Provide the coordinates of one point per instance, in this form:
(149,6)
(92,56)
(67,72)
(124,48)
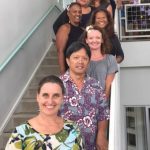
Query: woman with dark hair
(86,14)
(68,33)
(47,130)
(104,20)
(102,4)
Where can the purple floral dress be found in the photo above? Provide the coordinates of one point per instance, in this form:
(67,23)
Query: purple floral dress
(87,107)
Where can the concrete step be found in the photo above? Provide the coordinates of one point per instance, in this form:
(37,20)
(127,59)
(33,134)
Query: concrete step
(27,106)
(52,52)
(18,119)
(48,69)
(30,94)
(37,79)
(3,140)
(50,61)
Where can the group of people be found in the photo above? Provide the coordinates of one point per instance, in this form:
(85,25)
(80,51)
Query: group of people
(74,108)
(72,24)
(90,22)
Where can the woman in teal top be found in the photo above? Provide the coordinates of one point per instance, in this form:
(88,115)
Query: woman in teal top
(47,130)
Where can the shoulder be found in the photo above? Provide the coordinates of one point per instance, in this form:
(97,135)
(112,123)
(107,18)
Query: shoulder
(23,128)
(92,8)
(111,59)
(19,133)
(112,63)
(64,28)
(67,121)
(69,124)
(65,77)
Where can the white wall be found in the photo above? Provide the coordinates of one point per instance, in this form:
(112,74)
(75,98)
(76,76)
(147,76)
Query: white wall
(18,73)
(17,18)
(134,80)
(136,54)
(135,71)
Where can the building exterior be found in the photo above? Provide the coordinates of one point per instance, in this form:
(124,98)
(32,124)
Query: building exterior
(27,42)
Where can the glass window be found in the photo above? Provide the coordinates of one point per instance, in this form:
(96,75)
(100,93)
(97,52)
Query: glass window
(136,128)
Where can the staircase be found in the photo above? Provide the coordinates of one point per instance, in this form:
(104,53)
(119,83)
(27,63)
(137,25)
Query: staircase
(28,107)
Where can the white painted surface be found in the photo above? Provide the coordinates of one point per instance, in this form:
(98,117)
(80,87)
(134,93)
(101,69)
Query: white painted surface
(136,54)
(17,18)
(19,71)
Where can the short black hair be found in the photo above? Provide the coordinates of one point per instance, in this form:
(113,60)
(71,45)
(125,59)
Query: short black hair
(76,46)
(51,79)
(72,4)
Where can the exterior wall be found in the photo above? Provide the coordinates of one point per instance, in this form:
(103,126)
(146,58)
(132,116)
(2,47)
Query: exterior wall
(17,18)
(135,83)
(135,70)
(134,80)
(137,54)
(18,72)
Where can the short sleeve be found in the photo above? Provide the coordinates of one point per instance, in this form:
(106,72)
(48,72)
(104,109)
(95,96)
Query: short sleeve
(14,142)
(62,19)
(74,138)
(112,64)
(103,106)
(79,137)
(104,111)
(117,49)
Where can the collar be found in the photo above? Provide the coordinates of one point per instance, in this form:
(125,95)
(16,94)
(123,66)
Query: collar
(66,77)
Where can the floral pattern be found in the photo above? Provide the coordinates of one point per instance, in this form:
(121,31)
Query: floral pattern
(86,107)
(25,137)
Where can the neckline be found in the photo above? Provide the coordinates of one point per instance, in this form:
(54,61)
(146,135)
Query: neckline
(47,134)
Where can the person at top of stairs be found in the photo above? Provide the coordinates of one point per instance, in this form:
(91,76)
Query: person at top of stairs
(68,33)
(86,14)
(47,130)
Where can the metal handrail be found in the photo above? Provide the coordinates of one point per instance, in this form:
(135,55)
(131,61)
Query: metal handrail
(23,41)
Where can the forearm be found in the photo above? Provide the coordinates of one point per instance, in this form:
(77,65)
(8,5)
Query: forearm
(101,140)
(102,126)
(119,59)
(61,62)
(109,80)
(107,91)
(61,41)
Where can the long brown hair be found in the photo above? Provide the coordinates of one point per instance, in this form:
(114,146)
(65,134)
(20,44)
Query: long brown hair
(109,27)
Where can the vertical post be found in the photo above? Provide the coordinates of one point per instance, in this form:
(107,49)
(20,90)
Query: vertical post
(115,125)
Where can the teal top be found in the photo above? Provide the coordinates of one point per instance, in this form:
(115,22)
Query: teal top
(25,137)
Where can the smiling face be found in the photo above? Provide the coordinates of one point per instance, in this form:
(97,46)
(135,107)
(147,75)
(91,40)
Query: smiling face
(78,62)
(94,39)
(50,98)
(101,19)
(74,14)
